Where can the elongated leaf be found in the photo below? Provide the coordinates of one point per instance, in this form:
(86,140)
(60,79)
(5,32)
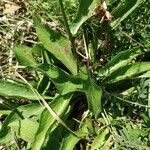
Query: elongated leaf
(59,105)
(85,11)
(58,45)
(30,110)
(54,137)
(149,99)
(56,133)
(145,75)
(120,60)
(93,93)
(69,141)
(24,55)
(18,114)
(44,84)
(99,140)
(25,129)
(124,9)
(128,72)
(64,82)
(16,90)
(4,112)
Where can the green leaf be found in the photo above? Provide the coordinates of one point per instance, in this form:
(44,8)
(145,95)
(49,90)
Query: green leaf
(24,55)
(93,93)
(56,44)
(121,59)
(124,9)
(69,141)
(17,90)
(25,129)
(30,110)
(85,11)
(43,84)
(128,72)
(37,49)
(64,82)
(25,111)
(4,112)
(55,134)
(145,75)
(59,105)
(99,140)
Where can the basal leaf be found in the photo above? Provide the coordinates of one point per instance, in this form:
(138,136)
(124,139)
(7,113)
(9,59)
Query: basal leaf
(93,92)
(64,82)
(59,105)
(145,75)
(124,9)
(25,111)
(24,55)
(121,59)
(69,141)
(17,90)
(85,11)
(56,44)
(56,133)
(33,109)
(128,72)
(99,140)
(25,129)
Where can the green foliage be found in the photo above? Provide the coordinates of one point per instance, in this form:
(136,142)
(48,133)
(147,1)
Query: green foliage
(99,140)
(58,45)
(30,112)
(85,11)
(124,9)
(59,105)
(120,60)
(64,82)
(128,71)
(69,141)
(17,90)
(81,94)
(24,55)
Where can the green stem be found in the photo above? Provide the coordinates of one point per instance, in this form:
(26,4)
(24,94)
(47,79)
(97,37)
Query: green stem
(71,38)
(65,20)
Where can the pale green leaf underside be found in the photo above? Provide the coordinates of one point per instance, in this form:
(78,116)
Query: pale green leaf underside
(25,111)
(99,140)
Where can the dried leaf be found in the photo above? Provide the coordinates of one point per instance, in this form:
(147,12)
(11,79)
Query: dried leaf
(11,8)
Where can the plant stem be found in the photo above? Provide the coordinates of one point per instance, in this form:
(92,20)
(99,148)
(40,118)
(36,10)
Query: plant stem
(65,21)
(71,38)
